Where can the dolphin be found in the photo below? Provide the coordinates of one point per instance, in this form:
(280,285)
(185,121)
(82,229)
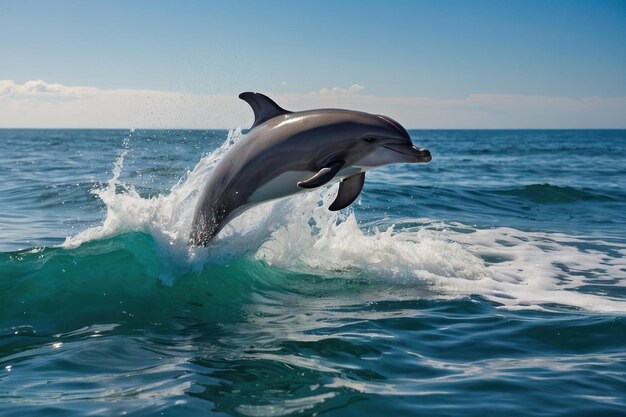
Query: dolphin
(288,152)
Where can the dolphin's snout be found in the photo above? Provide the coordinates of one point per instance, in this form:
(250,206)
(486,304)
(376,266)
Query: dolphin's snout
(417,154)
(422,153)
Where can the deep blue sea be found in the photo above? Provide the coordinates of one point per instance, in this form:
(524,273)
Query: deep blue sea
(489,282)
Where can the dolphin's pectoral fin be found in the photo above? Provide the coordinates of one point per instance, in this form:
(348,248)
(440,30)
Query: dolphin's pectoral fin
(349,190)
(263,107)
(322,176)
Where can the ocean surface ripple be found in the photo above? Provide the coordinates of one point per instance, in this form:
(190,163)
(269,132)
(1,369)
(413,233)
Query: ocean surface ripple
(491,281)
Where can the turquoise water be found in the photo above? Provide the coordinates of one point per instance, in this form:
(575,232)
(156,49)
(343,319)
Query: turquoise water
(491,281)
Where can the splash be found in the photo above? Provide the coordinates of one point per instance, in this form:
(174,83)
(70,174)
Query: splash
(513,268)
(167,217)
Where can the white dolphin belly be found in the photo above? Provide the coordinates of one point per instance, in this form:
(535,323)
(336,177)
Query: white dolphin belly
(287,184)
(281,186)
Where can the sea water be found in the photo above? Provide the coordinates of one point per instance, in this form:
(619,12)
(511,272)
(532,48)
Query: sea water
(491,281)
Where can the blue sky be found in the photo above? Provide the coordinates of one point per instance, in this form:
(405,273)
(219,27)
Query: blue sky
(435,49)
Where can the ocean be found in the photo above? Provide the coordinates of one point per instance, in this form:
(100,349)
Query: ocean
(491,281)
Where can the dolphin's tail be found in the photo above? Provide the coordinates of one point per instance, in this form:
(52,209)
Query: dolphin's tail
(201,236)
(204,228)
(211,217)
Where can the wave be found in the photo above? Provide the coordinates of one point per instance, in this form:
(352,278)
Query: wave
(547,193)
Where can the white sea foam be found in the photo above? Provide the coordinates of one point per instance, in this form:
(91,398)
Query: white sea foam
(517,269)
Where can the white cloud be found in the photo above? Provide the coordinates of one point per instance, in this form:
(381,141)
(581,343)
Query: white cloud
(41,89)
(40,104)
(354,88)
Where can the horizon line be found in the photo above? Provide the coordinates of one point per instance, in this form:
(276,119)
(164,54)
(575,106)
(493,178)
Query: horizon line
(247,129)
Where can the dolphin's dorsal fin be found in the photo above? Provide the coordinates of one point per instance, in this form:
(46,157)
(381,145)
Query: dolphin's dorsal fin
(263,107)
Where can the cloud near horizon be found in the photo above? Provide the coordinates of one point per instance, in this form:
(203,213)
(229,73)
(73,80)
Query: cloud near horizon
(37,104)
(354,88)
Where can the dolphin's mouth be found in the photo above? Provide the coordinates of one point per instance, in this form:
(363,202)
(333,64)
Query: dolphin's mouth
(420,154)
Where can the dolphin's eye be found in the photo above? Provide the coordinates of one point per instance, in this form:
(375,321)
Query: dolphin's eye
(369,139)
